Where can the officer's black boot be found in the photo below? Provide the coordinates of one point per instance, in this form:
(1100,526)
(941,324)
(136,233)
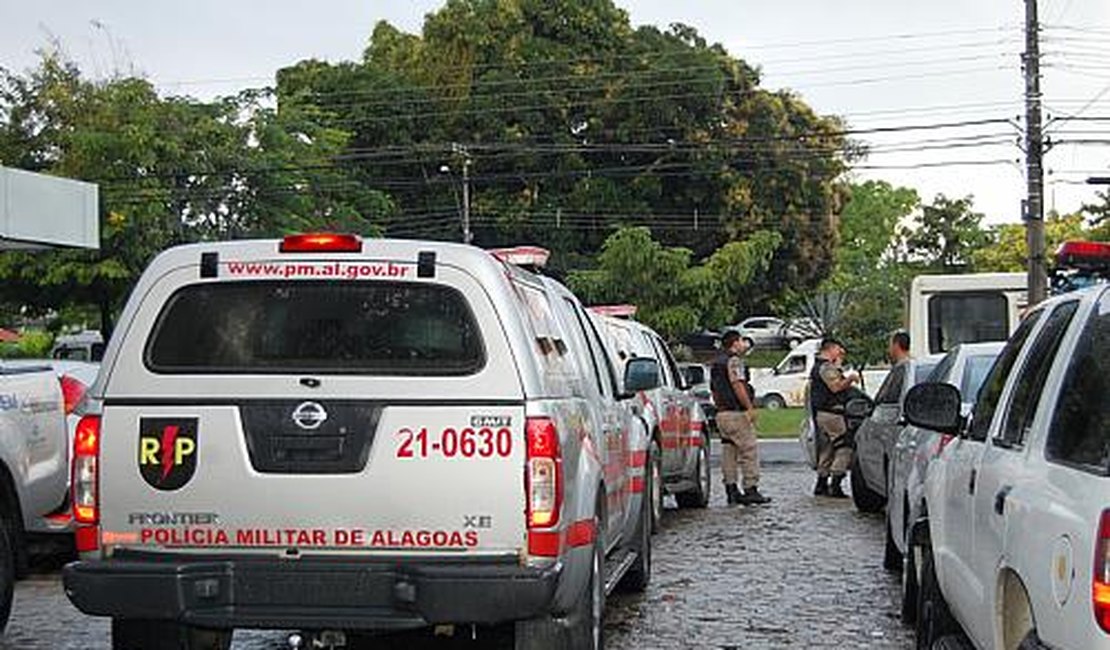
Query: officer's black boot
(836,491)
(822,487)
(752,497)
(733,493)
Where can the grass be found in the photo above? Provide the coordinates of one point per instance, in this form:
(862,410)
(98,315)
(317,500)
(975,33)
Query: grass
(782,423)
(758,358)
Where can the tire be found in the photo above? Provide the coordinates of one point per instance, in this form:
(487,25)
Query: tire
(774,402)
(584,627)
(654,467)
(699,496)
(866,499)
(639,574)
(132,634)
(892,557)
(934,620)
(910,587)
(7,576)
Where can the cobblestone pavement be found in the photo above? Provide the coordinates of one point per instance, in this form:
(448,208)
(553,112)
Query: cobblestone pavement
(800,573)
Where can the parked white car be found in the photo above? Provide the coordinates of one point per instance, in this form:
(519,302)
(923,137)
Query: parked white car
(1017,547)
(965,367)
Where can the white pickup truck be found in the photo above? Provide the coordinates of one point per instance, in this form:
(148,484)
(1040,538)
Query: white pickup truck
(34,468)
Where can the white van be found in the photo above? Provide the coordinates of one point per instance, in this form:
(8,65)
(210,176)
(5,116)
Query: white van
(946,310)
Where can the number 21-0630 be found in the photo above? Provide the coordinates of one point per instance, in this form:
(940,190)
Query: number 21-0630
(485,442)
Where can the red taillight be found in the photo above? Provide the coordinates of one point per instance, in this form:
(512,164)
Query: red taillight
(1100,580)
(321,242)
(543,477)
(86,456)
(73,391)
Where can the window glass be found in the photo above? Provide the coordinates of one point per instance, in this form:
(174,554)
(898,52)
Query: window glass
(940,372)
(1080,430)
(603,352)
(956,318)
(991,392)
(922,371)
(664,372)
(975,371)
(550,348)
(793,365)
(585,351)
(667,360)
(891,390)
(387,328)
(1030,383)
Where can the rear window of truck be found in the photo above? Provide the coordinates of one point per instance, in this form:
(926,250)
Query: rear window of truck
(386,328)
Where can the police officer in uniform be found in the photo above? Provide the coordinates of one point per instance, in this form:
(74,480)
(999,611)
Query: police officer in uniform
(733,396)
(828,391)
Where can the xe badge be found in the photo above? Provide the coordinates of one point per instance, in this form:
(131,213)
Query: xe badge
(167,451)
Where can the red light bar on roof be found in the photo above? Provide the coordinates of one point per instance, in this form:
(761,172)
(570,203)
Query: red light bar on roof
(321,242)
(523,255)
(617,311)
(1083,254)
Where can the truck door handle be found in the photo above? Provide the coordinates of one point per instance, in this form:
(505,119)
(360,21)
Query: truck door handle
(971,482)
(1000,499)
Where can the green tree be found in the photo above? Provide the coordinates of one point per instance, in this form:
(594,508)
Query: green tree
(577,123)
(1009,250)
(672,296)
(171,171)
(945,235)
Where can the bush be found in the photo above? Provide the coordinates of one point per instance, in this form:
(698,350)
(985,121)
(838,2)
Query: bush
(35,344)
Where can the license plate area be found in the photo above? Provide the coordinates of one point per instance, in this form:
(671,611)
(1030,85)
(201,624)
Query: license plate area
(309,437)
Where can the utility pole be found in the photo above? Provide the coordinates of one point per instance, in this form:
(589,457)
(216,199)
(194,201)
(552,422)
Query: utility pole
(462,151)
(1034,157)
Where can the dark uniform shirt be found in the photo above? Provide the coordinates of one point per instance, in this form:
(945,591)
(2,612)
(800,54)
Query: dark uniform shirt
(726,369)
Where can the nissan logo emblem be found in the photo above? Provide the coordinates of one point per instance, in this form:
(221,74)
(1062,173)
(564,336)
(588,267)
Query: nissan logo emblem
(309,415)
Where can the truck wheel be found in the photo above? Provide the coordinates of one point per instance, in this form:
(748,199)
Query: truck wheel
(934,620)
(639,575)
(7,576)
(699,496)
(774,402)
(131,634)
(892,557)
(866,499)
(583,628)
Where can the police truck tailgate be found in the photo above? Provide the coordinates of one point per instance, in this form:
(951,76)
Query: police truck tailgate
(369,477)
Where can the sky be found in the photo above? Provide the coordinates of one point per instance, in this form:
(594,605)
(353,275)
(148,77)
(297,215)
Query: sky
(877,63)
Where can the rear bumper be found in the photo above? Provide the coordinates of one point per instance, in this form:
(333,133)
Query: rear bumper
(266,592)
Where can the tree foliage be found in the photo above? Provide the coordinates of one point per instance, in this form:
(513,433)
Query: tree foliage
(170,170)
(945,235)
(671,295)
(576,123)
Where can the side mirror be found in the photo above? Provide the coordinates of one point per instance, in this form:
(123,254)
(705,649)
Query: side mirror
(859,408)
(641,373)
(935,407)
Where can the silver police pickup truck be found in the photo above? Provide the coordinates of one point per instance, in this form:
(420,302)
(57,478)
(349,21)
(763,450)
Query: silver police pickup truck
(337,436)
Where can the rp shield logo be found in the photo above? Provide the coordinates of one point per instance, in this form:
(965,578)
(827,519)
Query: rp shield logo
(167,451)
